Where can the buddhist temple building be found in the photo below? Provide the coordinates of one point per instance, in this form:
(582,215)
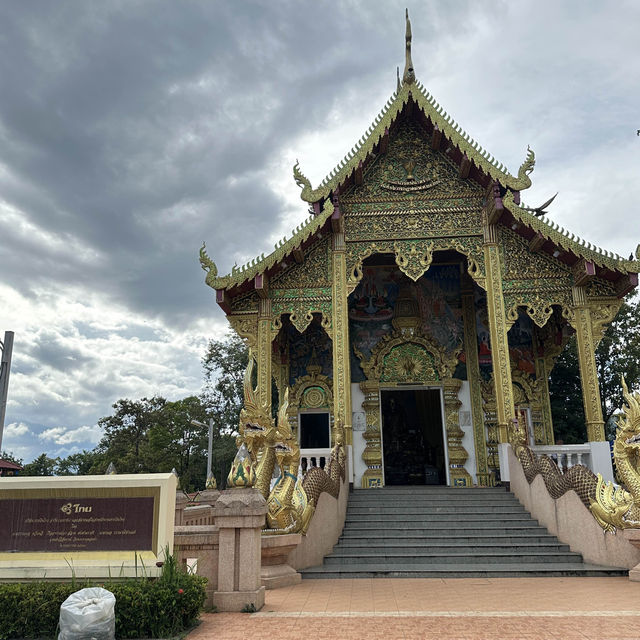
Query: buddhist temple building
(422,304)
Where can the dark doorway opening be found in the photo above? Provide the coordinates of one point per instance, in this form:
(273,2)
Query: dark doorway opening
(314,431)
(412,437)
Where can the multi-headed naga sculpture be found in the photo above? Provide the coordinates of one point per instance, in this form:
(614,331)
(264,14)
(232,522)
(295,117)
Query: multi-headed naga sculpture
(258,433)
(291,502)
(283,516)
(613,507)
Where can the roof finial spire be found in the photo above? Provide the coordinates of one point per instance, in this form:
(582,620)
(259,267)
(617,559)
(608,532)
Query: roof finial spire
(397,78)
(409,76)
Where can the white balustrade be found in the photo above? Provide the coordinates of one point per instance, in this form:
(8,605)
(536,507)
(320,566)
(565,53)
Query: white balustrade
(566,455)
(314,458)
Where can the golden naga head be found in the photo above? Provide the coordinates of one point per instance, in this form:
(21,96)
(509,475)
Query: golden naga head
(286,447)
(629,422)
(256,426)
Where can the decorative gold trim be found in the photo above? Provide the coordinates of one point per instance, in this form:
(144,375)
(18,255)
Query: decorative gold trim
(261,264)
(444,123)
(458,475)
(413,258)
(498,332)
(340,338)
(263,352)
(246,326)
(378,368)
(588,370)
(565,240)
(485,478)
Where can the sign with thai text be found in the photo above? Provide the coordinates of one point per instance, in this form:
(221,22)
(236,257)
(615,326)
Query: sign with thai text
(76,524)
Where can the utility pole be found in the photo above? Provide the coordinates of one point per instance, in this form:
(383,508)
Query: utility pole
(210,479)
(5,367)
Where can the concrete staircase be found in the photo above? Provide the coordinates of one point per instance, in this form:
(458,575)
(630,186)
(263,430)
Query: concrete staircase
(443,532)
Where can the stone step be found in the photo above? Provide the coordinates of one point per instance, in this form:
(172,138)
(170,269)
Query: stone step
(446,532)
(428,488)
(435,530)
(393,548)
(463,503)
(445,519)
(435,494)
(469,570)
(401,510)
(426,559)
(452,538)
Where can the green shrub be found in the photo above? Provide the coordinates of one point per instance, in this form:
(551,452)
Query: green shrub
(145,607)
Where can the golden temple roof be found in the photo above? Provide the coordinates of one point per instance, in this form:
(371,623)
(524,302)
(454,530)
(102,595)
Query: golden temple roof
(408,90)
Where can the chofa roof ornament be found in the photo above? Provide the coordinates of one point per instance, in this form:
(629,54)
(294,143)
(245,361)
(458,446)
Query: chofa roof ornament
(409,75)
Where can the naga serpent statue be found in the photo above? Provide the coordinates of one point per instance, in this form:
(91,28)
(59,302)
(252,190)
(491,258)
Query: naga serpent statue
(283,516)
(613,507)
(291,502)
(258,433)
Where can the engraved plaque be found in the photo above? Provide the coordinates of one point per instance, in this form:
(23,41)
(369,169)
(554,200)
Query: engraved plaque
(76,524)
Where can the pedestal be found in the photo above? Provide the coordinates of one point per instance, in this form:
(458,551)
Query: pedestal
(276,571)
(239,515)
(633,536)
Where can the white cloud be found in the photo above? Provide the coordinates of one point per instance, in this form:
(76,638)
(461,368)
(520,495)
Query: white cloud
(64,435)
(15,430)
(111,180)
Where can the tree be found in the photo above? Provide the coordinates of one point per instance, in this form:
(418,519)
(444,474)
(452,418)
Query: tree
(175,443)
(9,457)
(565,395)
(224,365)
(43,465)
(126,434)
(617,355)
(81,464)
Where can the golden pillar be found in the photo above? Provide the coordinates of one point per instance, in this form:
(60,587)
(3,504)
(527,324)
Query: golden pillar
(340,337)
(458,455)
(498,332)
(542,378)
(587,360)
(483,474)
(264,352)
(372,454)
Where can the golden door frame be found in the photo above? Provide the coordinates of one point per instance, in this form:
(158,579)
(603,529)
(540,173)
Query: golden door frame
(406,358)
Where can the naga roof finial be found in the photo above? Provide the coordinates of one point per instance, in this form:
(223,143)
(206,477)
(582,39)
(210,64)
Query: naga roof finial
(409,76)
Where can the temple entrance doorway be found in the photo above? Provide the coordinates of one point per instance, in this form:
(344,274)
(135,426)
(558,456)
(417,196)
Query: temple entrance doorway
(412,439)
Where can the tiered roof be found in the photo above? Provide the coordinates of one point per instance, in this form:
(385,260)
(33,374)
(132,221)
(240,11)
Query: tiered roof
(481,166)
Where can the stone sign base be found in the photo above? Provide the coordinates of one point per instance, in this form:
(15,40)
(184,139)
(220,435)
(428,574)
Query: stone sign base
(95,527)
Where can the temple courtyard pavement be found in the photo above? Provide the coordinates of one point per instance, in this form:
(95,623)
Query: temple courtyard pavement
(473,608)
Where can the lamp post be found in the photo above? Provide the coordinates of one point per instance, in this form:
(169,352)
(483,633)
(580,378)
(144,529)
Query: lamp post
(5,366)
(210,479)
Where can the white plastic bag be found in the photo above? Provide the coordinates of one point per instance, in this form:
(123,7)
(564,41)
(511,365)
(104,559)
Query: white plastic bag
(88,614)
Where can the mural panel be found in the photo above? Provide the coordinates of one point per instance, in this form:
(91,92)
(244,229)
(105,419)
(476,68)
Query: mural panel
(303,345)
(372,303)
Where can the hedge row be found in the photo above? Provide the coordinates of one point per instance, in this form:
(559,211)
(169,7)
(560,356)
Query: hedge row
(145,607)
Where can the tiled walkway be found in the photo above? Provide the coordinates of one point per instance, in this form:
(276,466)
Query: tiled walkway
(390,609)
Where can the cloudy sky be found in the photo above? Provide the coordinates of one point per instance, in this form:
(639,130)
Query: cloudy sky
(131,131)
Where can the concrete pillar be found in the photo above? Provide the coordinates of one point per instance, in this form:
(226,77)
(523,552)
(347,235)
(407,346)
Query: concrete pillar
(239,515)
